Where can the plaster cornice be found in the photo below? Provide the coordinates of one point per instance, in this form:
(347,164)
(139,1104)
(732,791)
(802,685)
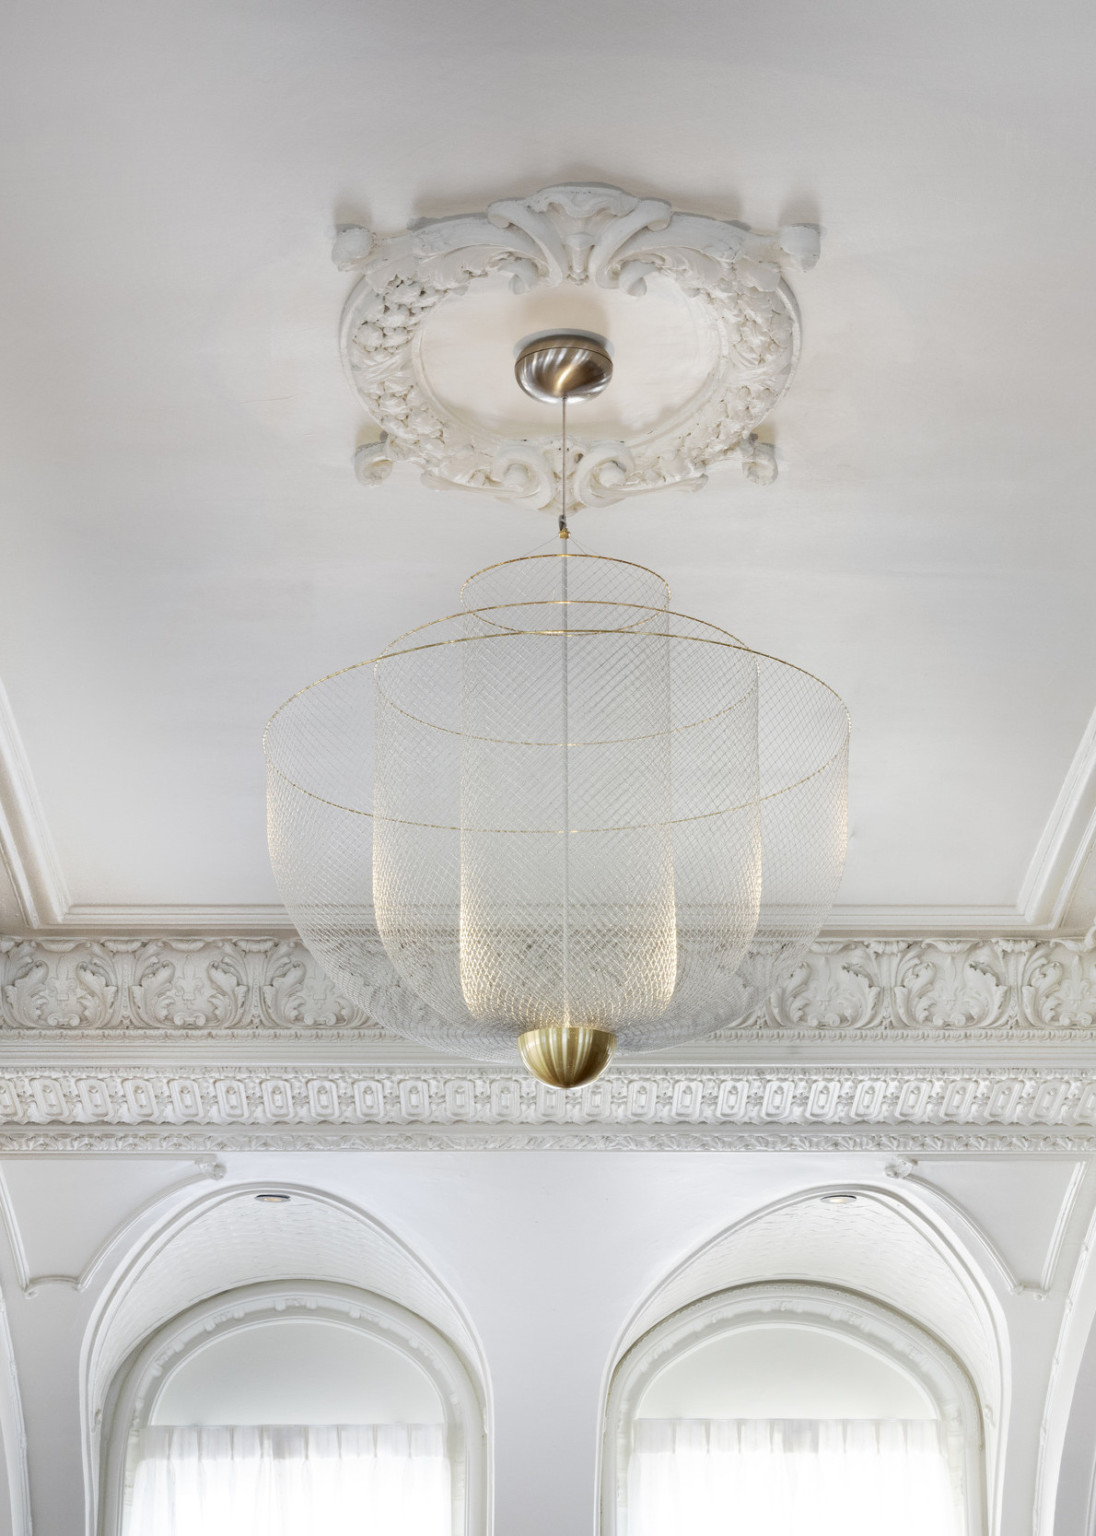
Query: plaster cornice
(901,992)
(203,1045)
(196,1107)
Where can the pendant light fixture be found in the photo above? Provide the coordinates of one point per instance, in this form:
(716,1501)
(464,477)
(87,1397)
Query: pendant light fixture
(593,824)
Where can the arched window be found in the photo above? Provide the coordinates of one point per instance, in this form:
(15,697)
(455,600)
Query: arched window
(287,1409)
(795,1408)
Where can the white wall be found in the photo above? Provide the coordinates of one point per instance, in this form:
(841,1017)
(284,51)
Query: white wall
(783,1372)
(298,1372)
(551,1255)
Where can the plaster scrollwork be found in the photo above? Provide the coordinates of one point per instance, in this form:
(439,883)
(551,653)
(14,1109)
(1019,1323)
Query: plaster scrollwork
(169,989)
(1060,987)
(943,989)
(939,991)
(886,989)
(579,235)
(67,990)
(939,985)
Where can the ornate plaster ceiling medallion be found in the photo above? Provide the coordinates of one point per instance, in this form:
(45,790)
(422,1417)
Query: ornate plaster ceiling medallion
(704,327)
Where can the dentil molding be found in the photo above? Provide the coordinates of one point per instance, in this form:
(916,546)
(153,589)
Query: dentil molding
(732,276)
(926,991)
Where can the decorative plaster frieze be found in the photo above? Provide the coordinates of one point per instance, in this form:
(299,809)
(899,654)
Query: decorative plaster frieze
(957,989)
(732,276)
(936,991)
(276,1105)
(170,989)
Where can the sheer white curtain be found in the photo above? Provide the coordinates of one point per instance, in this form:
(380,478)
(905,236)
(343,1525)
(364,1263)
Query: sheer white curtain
(790,1477)
(315,1480)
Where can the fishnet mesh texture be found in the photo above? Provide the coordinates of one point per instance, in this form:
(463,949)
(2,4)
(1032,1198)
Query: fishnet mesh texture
(629,819)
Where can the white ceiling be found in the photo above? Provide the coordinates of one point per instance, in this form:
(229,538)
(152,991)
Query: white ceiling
(184,541)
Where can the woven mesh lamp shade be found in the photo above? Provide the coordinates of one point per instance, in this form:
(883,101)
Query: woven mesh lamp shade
(562,820)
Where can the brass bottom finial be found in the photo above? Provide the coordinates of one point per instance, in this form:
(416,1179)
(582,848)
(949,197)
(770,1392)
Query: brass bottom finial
(567,1055)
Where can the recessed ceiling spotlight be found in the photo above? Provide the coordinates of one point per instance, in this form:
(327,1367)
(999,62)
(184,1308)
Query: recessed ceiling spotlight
(843,1197)
(273,1199)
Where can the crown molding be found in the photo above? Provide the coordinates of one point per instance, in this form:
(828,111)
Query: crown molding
(228,921)
(1066,842)
(87,918)
(202,1108)
(160,920)
(26,847)
(938,922)
(891,993)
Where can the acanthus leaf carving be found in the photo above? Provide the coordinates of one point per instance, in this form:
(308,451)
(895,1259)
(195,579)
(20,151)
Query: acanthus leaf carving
(64,991)
(1059,989)
(295,994)
(821,996)
(952,987)
(184,989)
(944,991)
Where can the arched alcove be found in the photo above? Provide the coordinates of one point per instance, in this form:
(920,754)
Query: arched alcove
(878,1243)
(887,1283)
(237,1262)
(176,1369)
(763,1355)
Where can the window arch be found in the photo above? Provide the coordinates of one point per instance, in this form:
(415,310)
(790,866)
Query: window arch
(179,1399)
(678,1416)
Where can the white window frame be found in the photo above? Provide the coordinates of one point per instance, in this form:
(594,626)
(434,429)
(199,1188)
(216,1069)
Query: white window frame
(846,1313)
(136,1389)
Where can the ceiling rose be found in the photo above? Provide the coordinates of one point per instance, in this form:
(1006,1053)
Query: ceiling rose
(594,823)
(701,306)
